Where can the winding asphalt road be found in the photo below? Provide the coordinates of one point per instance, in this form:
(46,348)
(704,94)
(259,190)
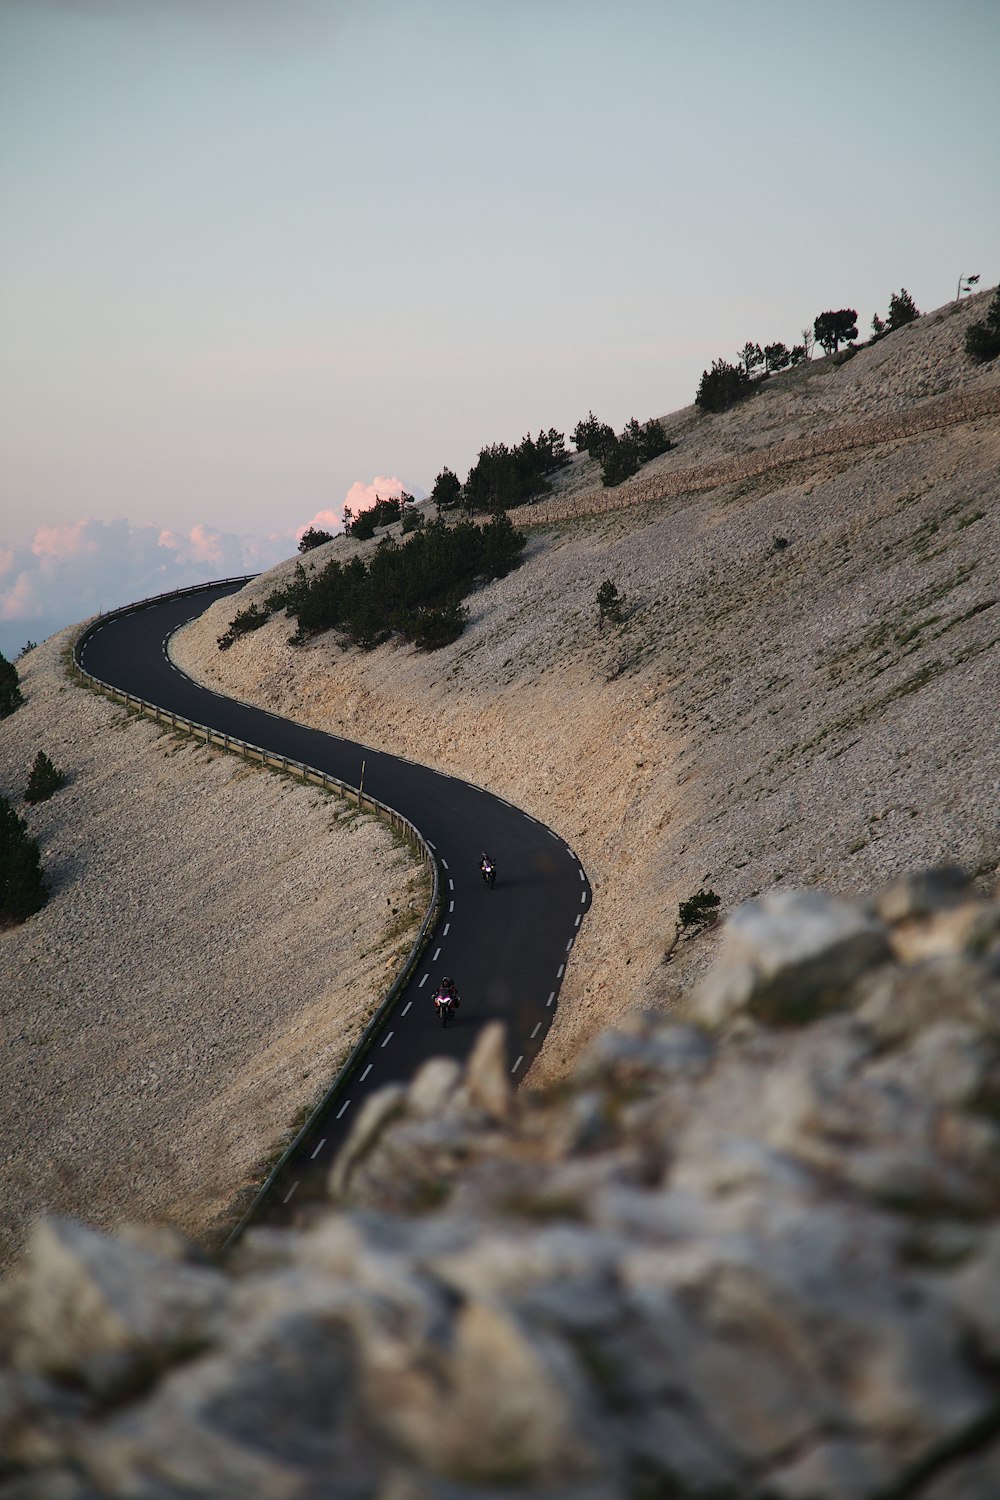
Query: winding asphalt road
(506,948)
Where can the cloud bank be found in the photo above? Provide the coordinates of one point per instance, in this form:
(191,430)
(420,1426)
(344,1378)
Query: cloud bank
(77,569)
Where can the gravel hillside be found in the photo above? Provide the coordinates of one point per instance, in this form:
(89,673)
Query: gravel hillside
(215,939)
(804,691)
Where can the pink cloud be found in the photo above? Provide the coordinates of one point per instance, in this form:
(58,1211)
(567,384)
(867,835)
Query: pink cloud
(360,497)
(323,520)
(20,601)
(76,569)
(67,540)
(206,544)
(363,496)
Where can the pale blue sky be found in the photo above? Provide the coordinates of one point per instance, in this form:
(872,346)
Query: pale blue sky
(257,251)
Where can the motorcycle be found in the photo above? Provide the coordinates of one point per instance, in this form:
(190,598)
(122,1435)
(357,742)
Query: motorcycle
(488,870)
(446,1005)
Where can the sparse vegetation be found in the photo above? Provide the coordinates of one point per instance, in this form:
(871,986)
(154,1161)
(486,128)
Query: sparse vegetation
(902,310)
(834,328)
(414,589)
(503,477)
(447,491)
(22,885)
(982,340)
(694,915)
(43,781)
(610,604)
(11,696)
(251,618)
(722,386)
(313,537)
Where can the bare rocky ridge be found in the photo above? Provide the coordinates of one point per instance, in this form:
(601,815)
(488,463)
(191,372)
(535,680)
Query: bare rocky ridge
(749,1250)
(215,941)
(804,691)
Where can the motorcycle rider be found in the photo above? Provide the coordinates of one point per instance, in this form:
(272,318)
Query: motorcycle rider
(446,991)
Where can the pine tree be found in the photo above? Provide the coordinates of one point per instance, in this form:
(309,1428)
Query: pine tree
(610,604)
(22,886)
(10,689)
(43,781)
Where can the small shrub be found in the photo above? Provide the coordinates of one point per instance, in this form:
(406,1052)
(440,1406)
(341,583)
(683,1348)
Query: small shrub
(412,520)
(22,885)
(610,604)
(28,646)
(11,696)
(699,910)
(722,386)
(694,915)
(436,625)
(251,618)
(313,537)
(43,781)
(902,310)
(618,463)
(982,340)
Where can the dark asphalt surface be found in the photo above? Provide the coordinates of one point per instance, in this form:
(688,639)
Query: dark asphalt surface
(506,948)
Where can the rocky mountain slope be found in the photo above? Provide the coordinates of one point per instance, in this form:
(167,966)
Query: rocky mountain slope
(215,940)
(751,1250)
(804,689)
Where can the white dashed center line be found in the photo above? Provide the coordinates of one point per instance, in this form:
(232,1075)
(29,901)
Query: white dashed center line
(291,1190)
(318,1149)
(388,1039)
(367,1071)
(518,1063)
(406,1007)
(538,1027)
(437,955)
(560,971)
(342,1108)
(423,982)
(550,999)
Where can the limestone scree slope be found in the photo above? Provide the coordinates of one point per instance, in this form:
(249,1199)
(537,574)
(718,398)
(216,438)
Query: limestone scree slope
(804,690)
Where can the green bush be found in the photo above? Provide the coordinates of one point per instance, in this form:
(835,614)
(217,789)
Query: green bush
(11,696)
(722,386)
(313,537)
(43,781)
(22,885)
(503,477)
(619,463)
(447,491)
(413,589)
(610,604)
(700,910)
(251,618)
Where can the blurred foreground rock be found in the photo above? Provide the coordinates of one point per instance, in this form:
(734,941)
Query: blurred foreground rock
(753,1250)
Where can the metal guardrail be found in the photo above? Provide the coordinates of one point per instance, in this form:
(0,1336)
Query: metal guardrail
(311,776)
